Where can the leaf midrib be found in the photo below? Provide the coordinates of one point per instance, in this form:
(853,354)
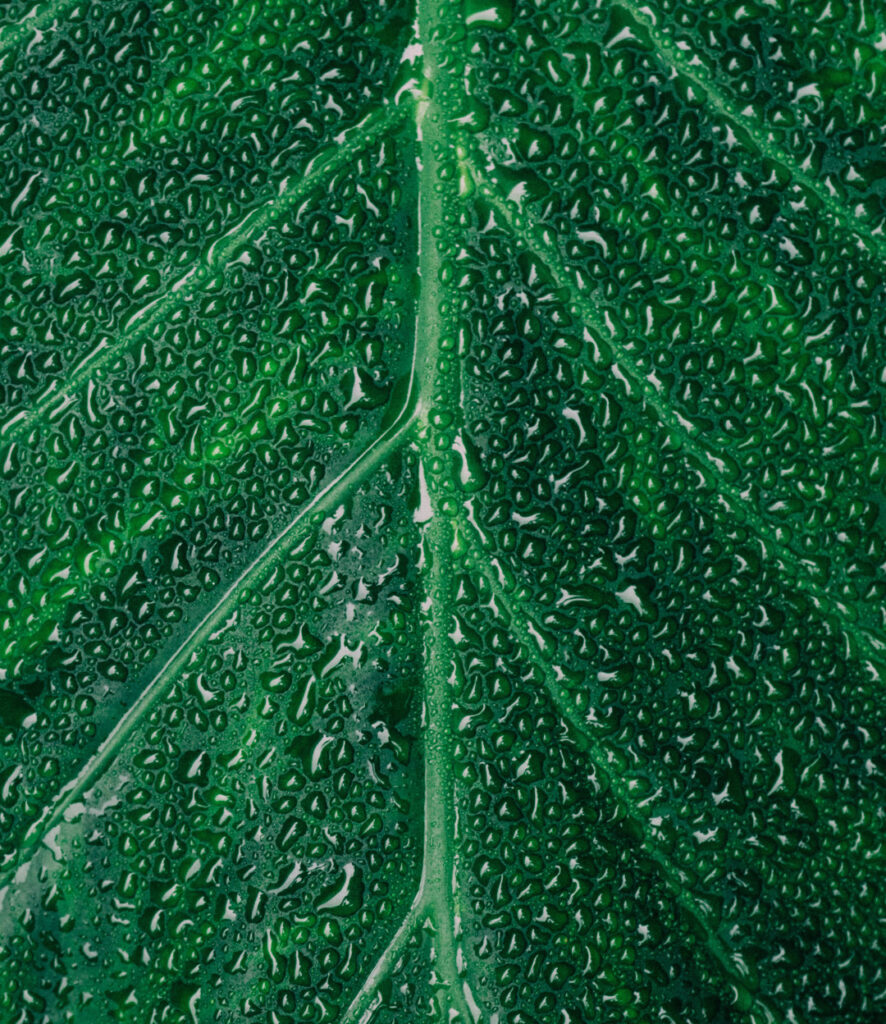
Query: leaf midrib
(421,373)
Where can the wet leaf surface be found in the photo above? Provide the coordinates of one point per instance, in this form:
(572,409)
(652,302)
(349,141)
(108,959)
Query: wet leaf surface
(442,551)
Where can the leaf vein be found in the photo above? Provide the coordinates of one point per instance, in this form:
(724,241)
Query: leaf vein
(704,80)
(729,499)
(673,876)
(56,397)
(354,473)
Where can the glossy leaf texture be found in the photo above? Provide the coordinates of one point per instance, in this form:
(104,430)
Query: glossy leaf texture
(442,459)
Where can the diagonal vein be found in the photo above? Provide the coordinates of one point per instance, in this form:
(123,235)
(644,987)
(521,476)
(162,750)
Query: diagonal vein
(435,891)
(704,80)
(729,499)
(291,189)
(366,1000)
(674,877)
(277,547)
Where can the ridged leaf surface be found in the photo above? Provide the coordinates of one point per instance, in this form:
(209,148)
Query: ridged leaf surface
(442,459)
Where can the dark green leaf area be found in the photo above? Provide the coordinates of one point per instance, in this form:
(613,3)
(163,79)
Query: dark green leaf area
(142,499)
(441,501)
(409,996)
(715,270)
(263,826)
(563,908)
(736,749)
(139,138)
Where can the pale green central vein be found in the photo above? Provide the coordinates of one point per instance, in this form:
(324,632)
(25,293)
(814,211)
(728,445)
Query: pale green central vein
(367,998)
(703,78)
(440,809)
(670,872)
(729,500)
(438,385)
(435,895)
(138,326)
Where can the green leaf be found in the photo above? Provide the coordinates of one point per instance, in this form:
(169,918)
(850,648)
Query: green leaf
(442,514)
